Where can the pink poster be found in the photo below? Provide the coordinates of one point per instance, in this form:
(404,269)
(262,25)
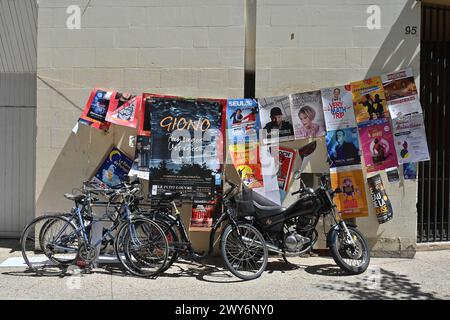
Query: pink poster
(377,142)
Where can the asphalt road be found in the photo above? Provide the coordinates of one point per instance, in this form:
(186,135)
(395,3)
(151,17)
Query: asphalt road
(427,276)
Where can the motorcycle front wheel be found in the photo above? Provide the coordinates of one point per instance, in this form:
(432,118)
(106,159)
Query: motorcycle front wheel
(244,252)
(352,259)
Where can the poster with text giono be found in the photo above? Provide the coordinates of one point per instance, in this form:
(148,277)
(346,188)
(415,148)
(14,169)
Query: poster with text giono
(377,142)
(410,139)
(338,107)
(352,201)
(369,101)
(401,93)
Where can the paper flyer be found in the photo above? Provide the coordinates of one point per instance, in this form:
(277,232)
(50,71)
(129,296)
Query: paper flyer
(338,107)
(369,100)
(307,114)
(380,201)
(94,113)
(246,160)
(243,120)
(352,201)
(287,159)
(275,114)
(123,110)
(114,167)
(410,139)
(410,171)
(377,142)
(140,167)
(401,93)
(343,147)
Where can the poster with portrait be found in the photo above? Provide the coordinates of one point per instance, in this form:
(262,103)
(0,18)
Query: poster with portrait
(123,110)
(401,93)
(307,114)
(141,162)
(343,147)
(338,107)
(410,138)
(187,148)
(276,120)
(352,201)
(369,100)
(377,143)
(113,168)
(94,113)
(243,120)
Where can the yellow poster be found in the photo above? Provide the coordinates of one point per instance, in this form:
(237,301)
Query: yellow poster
(352,201)
(369,100)
(245,158)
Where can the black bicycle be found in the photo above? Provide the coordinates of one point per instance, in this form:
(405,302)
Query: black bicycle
(242,245)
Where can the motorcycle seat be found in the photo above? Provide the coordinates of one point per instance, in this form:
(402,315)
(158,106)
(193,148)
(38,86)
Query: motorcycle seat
(266,206)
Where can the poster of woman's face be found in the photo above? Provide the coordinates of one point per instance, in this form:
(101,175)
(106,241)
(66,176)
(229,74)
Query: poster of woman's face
(307,115)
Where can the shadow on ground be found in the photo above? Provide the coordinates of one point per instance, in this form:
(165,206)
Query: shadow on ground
(379,285)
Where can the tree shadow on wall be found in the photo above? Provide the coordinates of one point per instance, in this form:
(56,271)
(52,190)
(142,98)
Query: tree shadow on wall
(386,285)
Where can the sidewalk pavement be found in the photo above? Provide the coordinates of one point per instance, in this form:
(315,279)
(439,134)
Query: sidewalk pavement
(427,276)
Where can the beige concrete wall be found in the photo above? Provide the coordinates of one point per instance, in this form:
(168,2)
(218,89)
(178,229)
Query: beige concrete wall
(195,48)
(308,45)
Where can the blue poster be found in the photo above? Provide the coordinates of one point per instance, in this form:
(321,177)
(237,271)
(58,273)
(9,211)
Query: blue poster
(410,170)
(343,147)
(243,120)
(114,167)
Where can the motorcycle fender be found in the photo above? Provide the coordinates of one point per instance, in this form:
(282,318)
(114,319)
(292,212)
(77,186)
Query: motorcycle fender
(333,232)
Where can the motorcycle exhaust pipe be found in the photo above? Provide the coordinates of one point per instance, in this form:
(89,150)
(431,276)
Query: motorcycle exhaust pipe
(269,246)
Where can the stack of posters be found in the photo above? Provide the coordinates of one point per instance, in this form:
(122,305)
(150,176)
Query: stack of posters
(187,151)
(307,115)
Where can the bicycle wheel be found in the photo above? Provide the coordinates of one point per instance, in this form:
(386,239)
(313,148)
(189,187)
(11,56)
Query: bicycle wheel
(49,244)
(244,251)
(141,247)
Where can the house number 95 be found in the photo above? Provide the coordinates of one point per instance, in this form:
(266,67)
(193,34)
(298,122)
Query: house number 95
(412,30)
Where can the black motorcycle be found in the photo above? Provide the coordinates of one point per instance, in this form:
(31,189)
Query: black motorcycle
(289,231)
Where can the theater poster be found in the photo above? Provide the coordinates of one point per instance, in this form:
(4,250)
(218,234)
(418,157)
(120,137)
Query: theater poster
(369,101)
(140,167)
(380,200)
(410,139)
(123,110)
(401,93)
(276,119)
(94,113)
(377,143)
(113,168)
(144,111)
(243,120)
(287,159)
(352,201)
(187,149)
(343,147)
(338,107)
(246,160)
(307,115)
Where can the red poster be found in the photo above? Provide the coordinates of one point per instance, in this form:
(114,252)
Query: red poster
(123,110)
(287,159)
(94,114)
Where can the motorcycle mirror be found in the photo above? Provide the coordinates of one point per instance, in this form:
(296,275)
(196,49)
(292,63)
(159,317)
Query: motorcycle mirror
(306,150)
(297,175)
(338,190)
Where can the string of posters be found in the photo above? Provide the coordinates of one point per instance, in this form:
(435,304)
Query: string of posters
(379,119)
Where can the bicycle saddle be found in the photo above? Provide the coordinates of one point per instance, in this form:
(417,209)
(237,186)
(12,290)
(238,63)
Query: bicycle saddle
(74,197)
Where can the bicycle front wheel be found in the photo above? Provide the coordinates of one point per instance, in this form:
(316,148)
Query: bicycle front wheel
(244,251)
(142,247)
(49,244)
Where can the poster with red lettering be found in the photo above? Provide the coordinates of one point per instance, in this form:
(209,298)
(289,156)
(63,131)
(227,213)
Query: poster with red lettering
(377,142)
(338,108)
